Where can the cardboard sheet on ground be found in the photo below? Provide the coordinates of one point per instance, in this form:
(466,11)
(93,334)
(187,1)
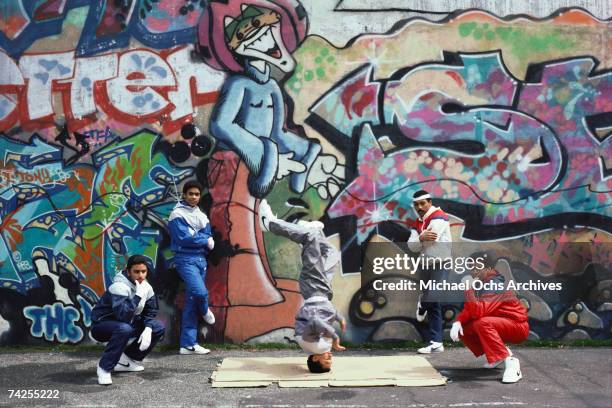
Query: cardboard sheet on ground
(403,371)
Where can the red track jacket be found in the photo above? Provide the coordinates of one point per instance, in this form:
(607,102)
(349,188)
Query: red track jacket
(498,303)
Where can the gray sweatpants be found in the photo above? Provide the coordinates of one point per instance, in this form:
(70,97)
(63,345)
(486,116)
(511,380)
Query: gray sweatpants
(319,257)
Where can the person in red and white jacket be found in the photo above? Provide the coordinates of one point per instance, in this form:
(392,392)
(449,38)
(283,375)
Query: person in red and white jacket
(491,317)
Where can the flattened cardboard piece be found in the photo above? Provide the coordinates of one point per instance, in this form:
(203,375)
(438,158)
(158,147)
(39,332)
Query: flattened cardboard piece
(265,368)
(240,384)
(405,371)
(425,382)
(303,384)
(363,383)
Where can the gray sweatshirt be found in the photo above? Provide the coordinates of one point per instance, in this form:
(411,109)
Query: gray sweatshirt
(315,319)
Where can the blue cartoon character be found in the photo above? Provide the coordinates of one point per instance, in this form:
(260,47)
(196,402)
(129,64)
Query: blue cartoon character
(249,117)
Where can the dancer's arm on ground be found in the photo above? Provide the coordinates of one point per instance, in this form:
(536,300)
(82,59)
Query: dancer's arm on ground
(337,346)
(328,331)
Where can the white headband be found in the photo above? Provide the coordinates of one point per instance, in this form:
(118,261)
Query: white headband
(421,197)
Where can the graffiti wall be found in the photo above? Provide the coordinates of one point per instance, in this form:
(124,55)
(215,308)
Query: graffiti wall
(332,111)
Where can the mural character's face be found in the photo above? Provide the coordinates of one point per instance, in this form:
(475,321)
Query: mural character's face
(138,273)
(256,34)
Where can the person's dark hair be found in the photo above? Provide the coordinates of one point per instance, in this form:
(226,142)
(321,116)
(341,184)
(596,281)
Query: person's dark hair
(137,260)
(192,184)
(488,258)
(315,366)
(420,193)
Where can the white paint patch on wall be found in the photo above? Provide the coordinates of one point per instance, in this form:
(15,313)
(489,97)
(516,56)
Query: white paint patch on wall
(534,8)
(338,27)
(61,293)
(340,21)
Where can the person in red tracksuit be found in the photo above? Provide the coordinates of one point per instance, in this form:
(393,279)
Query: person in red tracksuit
(490,318)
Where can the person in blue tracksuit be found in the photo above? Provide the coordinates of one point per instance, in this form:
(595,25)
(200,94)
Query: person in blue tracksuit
(191,237)
(126,310)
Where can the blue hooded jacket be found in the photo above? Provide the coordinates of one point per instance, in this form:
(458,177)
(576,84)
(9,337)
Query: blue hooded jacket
(120,303)
(189,230)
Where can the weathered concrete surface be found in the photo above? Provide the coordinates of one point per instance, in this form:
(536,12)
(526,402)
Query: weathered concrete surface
(576,377)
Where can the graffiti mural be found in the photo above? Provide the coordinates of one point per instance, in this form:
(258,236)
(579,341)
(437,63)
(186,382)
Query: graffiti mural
(544,151)
(107,107)
(513,141)
(67,229)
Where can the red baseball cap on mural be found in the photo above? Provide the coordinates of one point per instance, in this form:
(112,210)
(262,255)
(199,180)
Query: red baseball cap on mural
(211,29)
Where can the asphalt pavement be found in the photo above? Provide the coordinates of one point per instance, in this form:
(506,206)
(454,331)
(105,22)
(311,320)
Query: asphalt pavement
(559,377)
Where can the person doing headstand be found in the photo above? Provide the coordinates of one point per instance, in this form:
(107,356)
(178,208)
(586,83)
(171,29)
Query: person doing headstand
(313,322)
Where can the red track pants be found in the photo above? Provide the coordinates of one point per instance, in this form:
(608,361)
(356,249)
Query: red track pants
(488,336)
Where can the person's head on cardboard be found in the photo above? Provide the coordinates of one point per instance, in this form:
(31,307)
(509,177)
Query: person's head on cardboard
(319,363)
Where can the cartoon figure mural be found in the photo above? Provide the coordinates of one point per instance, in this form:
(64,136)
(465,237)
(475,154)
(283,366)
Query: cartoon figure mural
(249,124)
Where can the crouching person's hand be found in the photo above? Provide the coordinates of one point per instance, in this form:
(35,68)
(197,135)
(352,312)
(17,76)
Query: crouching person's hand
(142,290)
(336,345)
(145,339)
(455,331)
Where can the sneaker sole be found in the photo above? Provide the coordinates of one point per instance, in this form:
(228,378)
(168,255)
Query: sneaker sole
(512,382)
(187,353)
(430,352)
(131,370)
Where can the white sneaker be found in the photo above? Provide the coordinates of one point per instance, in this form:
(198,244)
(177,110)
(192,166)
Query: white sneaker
(265,215)
(512,373)
(420,312)
(434,347)
(195,349)
(127,364)
(209,317)
(104,377)
(498,362)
